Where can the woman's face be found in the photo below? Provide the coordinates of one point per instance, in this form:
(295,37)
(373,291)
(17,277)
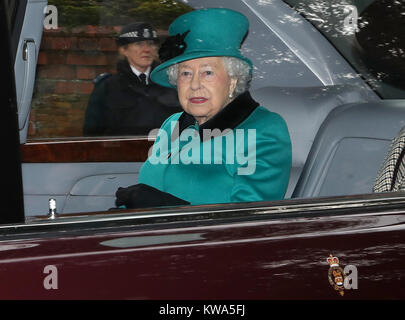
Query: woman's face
(140,54)
(204,87)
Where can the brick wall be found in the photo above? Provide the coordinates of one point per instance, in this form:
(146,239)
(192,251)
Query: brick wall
(68,61)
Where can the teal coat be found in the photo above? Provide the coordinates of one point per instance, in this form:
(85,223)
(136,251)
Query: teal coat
(241,154)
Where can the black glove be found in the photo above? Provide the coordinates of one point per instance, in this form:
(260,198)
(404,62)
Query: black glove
(144,196)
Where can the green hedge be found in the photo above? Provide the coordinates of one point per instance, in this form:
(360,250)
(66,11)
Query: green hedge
(159,13)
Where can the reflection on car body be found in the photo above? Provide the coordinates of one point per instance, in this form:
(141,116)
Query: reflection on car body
(340,128)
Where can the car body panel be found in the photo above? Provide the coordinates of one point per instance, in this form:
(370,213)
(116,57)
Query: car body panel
(269,252)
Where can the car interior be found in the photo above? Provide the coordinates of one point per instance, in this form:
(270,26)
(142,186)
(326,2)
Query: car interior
(340,129)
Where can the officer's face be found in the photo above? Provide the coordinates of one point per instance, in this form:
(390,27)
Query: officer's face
(203,87)
(140,54)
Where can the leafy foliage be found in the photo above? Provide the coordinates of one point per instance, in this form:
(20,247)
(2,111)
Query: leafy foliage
(159,13)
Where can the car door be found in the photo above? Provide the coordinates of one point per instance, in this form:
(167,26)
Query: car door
(275,250)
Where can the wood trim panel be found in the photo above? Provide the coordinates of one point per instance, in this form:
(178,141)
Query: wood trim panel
(90,150)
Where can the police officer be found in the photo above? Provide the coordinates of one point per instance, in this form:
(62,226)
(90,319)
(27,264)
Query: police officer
(128,103)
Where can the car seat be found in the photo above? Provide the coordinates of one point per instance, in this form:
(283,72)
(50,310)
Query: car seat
(349,149)
(304,109)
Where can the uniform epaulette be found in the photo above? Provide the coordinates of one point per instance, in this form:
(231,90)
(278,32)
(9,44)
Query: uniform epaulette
(101,77)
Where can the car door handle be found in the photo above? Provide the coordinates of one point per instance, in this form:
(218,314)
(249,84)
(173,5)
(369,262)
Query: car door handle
(26,49)
(29,58)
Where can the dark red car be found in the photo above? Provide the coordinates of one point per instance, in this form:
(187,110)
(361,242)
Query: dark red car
(341,118)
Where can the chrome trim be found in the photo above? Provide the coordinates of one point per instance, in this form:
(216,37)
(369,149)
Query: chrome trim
(225,212)
(88,140)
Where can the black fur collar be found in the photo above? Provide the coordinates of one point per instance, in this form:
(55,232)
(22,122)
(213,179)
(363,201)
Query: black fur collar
(228,118)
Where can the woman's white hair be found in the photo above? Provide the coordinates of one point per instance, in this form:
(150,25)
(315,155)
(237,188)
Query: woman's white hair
(235,67)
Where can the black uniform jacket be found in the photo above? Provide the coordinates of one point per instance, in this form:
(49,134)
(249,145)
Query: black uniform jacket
(121,105)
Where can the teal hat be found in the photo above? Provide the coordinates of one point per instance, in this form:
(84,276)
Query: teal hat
(202,33)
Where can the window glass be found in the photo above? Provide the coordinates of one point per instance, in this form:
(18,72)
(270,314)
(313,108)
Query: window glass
(79,44)
(369,34)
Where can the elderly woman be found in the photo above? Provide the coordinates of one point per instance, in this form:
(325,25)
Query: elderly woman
(224,147)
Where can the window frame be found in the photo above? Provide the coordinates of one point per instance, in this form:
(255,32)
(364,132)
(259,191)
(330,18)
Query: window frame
(97,223)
